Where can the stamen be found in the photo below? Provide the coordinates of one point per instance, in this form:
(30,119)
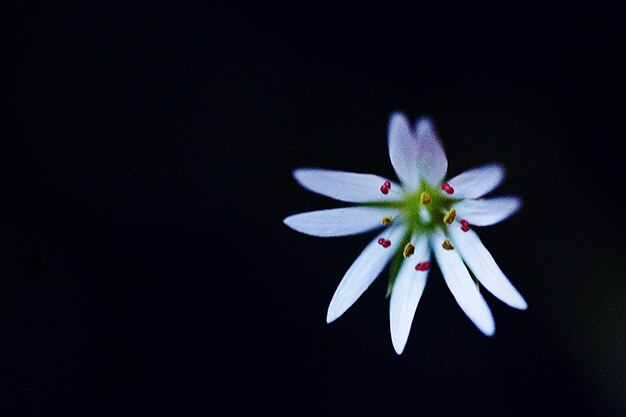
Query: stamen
(425,198)
(446,187)
(464,225)
(447,245)
(422,266)
(385,187)
(408,250)
(450,215)
(387,220)
(384,242)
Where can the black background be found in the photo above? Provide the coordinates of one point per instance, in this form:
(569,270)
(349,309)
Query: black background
(147,154)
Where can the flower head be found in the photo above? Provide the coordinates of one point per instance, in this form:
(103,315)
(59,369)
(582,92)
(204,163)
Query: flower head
(424,215)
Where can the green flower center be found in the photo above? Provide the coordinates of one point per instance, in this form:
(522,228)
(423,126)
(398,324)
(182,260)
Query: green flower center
(423,210)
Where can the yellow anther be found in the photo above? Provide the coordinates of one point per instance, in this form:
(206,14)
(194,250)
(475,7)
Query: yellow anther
(447,245)
(449,217)
(425,198)
(387,220)
(408,250)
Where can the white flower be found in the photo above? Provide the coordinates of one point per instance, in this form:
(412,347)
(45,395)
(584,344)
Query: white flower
(423,213)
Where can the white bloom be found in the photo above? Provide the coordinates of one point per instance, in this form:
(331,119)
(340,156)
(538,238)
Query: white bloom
(423,213)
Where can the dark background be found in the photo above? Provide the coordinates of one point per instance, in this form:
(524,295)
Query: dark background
(147,151)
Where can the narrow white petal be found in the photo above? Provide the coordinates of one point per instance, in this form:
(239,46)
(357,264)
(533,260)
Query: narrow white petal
(346,186)
(462,286)
(489,211)
(362,273)
(477,182)
(482,264)
(338,222)
(403,150)
(406,293)
(432,163)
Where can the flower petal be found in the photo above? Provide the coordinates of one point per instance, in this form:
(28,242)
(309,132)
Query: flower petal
(406,293)
(477,182)
(338,222)
(462,286)
(432,163)
(403,150)
(482,264)
(362,273)
(489,211)
(346,186)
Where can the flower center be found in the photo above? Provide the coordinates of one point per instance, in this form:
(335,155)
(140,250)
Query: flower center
(424,209)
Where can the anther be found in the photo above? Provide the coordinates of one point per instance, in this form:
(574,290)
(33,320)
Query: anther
(446,187)
(447,245)
(386,221)
(385,187)
(381,241)
(386,244)
(408,250)
(464,225)
(425,198)
(450,215)
(422,266)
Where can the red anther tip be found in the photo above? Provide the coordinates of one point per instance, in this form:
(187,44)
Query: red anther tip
(422,266)
(385,187)
(464,225)
(446,187)
(381,241)
(386,243)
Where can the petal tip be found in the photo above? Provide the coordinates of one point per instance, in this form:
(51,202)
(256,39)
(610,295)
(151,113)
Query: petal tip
(488,329)
(397,120)
(501,171)
(425,121)
(398,116)
(331,316)
(398,345)
(299,172)
(288,221)
(423,125)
